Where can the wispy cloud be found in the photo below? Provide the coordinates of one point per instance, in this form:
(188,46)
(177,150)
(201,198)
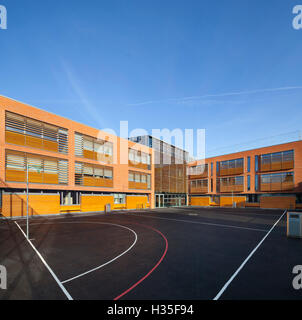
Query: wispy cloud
(183,100)
(79,92)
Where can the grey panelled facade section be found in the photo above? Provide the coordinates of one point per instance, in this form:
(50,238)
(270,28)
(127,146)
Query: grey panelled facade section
(170,165)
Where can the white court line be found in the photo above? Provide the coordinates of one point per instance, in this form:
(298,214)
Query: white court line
(106,263)
(47,266)
(197,222)
(246,260)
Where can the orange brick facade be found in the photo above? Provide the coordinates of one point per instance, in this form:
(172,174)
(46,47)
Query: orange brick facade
(137,195)
(267,195)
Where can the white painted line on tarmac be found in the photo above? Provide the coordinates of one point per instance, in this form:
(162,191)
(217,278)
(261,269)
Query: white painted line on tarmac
(92,222)
(69,297)
(201,223)
(246,260)
(108,262)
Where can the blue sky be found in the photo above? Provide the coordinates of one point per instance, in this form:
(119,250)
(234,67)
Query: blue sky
(231,67)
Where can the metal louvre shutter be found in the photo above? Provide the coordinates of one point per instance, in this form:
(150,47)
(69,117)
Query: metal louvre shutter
(108,173)
(108,148)
(87,145)
(78,145)
(79,173)
(131,155)
(131,176)
(50,132)
(35,164)
(33,128)
(63,141)
(50,166)
(78,168)
(99,172)
(88,170)
(98,147)
(137,177)
(15,162)
(63,171)
(14,122)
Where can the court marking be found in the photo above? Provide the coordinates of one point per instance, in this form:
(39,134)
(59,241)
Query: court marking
(196,222)
(104,264)
(220,210)
(247,259)
(97,222)
(69,297)
(153,269)
(108,262)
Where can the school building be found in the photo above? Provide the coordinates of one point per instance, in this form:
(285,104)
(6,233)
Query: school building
(269,177)
(67,166)
(70,167)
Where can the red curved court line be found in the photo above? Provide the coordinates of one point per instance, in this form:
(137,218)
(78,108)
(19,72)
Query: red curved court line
(155,267)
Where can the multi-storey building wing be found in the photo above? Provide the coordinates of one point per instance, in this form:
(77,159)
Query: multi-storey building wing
(69,167)
(269,177)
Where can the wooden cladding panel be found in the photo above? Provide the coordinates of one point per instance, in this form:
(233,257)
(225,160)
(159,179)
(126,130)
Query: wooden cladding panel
(33,177)
(277,186)
(50,146)
(89,154)
(92,155)
(15,175)
(15,205)
(15,138)
(286,165)
(136,202)
(50,178)
(287,186)
(137,185)
(199,176)
(199,190)
(265,167)
(231,171)
(34,142)
(23,140)
(231,188)
(138,165)
(95,203)
(97,182)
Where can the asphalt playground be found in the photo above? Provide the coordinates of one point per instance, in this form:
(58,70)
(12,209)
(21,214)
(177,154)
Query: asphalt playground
(188,253)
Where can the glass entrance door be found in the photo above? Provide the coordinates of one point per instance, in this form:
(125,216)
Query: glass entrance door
(159,200)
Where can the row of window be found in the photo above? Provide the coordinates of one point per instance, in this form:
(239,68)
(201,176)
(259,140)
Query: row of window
(89,148)
(21,130)
(140,178)
(74,197)
(198,170)
(25,131)
(199,184)
(231,181)
(265,182)
(55,171)
(40,169)
(86,170)
(267,162)
(274,182)
(137,157)
(275,161)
